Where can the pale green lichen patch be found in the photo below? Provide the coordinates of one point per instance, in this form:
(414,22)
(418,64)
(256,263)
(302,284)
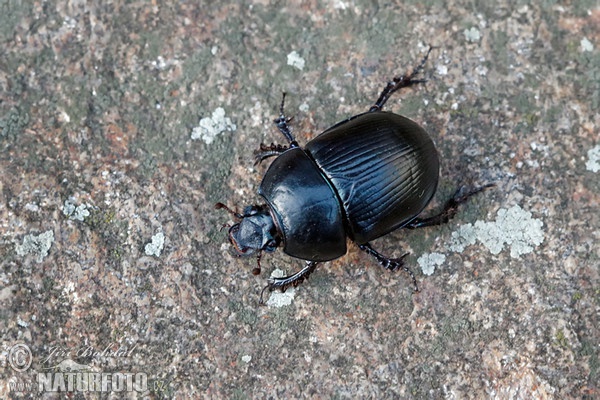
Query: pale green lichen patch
(593,162)
(294,60)
(586,45)
(77,212)
(472,35)
(37,245)
(428,262)
(513,227)
(155,247)
(210,127)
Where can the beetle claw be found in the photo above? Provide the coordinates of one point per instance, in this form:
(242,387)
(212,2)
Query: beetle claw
(392,264)
(282,124)
(399,82)
(262,302)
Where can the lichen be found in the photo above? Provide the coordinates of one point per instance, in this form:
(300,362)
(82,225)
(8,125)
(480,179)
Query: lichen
(210,127)
(593,162)
(155,247)
(77,212)
(429,261)
(38,245)
(513,227)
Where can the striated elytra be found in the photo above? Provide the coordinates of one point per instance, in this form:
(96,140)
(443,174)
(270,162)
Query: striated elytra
(360,179)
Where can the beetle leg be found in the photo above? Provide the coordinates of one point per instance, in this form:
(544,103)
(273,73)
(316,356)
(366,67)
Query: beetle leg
(282,124)
(393,264)
(399,82)
(449,210)
(293,280)
(268,151)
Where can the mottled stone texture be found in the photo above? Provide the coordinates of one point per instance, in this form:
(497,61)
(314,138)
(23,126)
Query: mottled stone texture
(109,239)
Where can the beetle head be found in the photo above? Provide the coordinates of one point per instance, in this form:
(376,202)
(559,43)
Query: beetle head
(254,233)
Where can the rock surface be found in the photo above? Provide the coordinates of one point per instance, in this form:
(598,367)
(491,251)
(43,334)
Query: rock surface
(122,123)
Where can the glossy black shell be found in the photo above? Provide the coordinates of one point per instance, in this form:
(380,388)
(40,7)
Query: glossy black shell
(362,178)
(304,207)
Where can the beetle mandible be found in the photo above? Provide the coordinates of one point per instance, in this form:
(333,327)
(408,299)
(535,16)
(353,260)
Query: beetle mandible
(361,179)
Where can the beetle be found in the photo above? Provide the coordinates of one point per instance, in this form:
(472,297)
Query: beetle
(361,179)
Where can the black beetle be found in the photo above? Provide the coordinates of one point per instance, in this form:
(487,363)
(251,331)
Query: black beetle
(360,179)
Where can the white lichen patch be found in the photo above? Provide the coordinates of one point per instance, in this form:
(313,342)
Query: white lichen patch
(155,247)
(37,245)
(210,127)
(304,107)
(513,227)
(586,45)
(472,35)
(32,207)
(294,60)
(429,261)
(442,70)
(593,162)
(277,298)
(73,211)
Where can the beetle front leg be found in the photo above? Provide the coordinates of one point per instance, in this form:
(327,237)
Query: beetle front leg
(282,124)
(293,280)
(393,264)
(268,151)
(449,210)
(400,82)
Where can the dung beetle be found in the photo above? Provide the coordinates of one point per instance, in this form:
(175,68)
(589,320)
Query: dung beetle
(361,179)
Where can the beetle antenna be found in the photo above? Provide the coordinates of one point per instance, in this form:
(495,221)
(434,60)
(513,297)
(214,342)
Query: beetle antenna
(221,206)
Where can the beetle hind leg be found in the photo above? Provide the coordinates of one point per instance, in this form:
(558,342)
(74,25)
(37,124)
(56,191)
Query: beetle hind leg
(399,82)
(292,280)
(449,210)
(393,264)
